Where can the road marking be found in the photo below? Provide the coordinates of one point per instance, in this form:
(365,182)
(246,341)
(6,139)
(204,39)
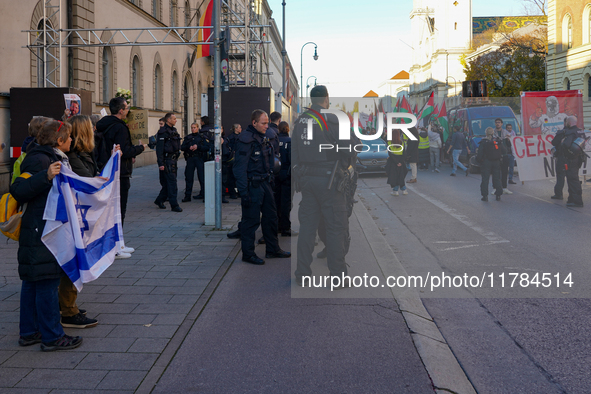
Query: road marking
(489,235)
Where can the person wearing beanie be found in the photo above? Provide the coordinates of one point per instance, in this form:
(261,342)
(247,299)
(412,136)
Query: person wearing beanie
(490,152)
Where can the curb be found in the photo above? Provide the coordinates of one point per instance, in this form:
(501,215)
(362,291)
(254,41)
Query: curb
(442,366)
(161,364)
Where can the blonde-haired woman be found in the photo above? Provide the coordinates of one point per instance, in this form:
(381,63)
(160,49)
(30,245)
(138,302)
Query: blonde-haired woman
(82,163)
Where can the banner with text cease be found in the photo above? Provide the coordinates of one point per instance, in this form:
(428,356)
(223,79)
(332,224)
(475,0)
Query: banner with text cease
(533,155)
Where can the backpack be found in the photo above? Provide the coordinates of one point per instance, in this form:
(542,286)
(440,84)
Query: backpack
(16,170)
(152,142)
(573,145)
(11,214)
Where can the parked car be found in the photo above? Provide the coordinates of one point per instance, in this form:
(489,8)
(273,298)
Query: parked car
(372,157)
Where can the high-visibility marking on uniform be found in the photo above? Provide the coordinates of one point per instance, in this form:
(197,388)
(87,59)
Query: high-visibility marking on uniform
(320,116)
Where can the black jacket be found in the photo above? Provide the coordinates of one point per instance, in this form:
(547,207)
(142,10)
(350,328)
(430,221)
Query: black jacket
(119,135)
(254,159)
(188,142)
(35,261)
(168,144)
(82,163)
(412,147)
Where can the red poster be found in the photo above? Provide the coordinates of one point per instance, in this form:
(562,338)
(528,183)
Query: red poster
(544,112)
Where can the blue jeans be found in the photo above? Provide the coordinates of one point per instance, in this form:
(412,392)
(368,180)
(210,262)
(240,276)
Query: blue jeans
(456,155)
(511,165)
(40,309)
(395,188)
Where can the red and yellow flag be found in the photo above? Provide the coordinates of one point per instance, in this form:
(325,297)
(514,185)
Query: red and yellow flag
(205,35)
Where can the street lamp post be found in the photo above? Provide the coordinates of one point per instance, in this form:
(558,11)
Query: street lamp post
(302,69)
(308,85)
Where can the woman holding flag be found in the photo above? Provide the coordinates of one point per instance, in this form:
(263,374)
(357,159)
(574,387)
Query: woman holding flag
(37,267)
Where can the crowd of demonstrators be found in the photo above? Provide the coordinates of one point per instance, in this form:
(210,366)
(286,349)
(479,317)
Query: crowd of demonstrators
(168,147)
(38,268)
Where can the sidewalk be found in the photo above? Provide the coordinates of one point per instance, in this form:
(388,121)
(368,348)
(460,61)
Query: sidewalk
(145,305)
(162,329)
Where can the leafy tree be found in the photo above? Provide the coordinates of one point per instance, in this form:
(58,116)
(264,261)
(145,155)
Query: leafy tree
(518,65)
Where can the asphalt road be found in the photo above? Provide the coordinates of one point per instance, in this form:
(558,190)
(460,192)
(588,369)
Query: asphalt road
(513,337)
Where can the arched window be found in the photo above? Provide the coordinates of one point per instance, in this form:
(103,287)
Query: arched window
(135,81)
(175,82)
(157,87)
(567,32)
(156,9)
(107,74)
(187,13)
(566,84)
(173,13)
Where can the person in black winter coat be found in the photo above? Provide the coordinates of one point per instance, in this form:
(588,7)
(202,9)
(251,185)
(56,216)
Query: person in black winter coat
(168,148)
(283,182)
(37,267)
(113,131)
(490,152)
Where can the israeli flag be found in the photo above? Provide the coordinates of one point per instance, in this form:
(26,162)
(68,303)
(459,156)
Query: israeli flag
(83,229)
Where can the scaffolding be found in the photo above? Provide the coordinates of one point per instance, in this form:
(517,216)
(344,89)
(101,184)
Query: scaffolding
(241,18)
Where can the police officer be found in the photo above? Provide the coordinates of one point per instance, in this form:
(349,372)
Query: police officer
(232,139)
(283,182)
(490,152)
(313,169)
(205,147)
(167,153)
(568,163)
(189,148)
(253,167)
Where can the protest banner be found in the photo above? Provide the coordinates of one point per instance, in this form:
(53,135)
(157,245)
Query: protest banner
(544,112)
(533,154)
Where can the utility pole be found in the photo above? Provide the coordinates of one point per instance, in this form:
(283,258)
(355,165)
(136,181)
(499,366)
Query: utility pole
(217,111)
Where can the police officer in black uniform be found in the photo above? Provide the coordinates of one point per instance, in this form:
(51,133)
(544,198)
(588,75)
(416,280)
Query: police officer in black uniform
(232,139)
(254,161)
(568,163)
(490,152)
(189,148)
(283,182)
(205,148)
(167,153)
(321,200)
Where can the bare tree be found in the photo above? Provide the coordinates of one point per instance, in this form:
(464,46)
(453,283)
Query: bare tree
(535,7)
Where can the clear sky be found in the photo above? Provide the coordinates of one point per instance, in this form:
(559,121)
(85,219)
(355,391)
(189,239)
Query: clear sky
(360,43)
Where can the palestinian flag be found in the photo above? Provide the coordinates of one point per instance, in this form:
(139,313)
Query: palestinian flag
(435,112)
(443,121)
(397,104)
(416,110)
(206,35)
(429,107)
(405,107)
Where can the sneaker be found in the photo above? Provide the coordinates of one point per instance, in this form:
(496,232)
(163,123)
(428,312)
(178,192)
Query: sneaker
(127,249)
(452,174)
(78,321)
(64,343)
(404,192)
(30,339)
(394,193)
(122,255)
(507,191)
(511,182)
(437,170)
(412,181)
